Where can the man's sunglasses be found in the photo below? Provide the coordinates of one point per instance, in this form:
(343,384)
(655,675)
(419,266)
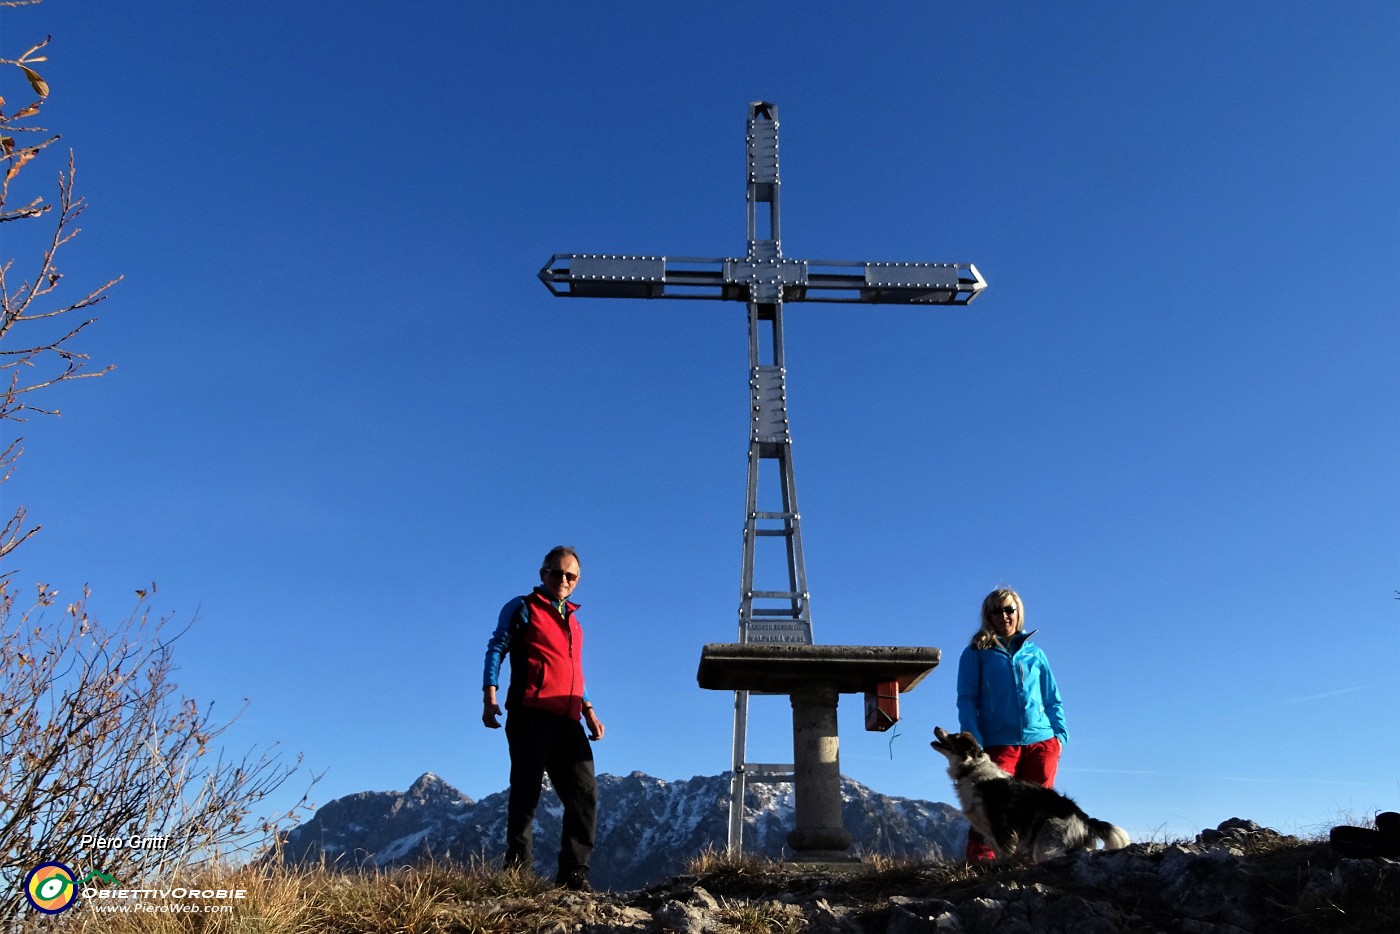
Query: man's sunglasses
(557,574)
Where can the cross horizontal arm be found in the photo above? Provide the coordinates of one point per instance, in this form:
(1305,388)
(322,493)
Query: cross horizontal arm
(593,275)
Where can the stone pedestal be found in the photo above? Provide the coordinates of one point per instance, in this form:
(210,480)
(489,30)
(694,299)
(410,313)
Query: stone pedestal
(816,757)
(814,677)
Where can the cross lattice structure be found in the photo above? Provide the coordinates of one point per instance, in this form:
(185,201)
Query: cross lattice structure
(765,280)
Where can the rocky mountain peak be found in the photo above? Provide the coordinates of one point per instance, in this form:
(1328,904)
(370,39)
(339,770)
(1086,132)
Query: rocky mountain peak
(428,788)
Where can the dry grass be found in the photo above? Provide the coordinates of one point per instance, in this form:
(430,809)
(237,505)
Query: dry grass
(713,862)
(754,896)
(762,917)
(430,899)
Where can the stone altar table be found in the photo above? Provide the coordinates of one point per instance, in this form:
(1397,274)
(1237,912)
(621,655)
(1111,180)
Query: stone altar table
(814,676)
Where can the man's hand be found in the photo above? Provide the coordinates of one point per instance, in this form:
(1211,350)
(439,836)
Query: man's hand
(490,710)
(595,726)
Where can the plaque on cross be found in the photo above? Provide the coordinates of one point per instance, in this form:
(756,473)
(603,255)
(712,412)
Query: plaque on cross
(764,279)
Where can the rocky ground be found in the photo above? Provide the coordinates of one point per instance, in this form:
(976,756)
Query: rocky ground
(1237,878)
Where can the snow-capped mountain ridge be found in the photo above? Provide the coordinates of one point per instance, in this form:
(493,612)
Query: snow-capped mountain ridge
(648,828)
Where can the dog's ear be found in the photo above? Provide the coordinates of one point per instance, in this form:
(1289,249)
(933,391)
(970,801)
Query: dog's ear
(962,744)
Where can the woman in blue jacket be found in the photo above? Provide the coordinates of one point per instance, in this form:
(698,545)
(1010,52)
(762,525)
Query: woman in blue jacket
(1008,700)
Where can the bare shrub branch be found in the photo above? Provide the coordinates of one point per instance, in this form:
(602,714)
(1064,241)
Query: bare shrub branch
(36,355)
(95,739)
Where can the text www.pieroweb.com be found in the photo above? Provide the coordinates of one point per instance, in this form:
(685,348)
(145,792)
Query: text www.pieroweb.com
(142,907)
(162,901)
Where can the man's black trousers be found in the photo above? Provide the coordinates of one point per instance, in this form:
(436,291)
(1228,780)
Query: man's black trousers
(543,743)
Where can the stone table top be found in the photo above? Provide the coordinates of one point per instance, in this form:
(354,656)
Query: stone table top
(777,668)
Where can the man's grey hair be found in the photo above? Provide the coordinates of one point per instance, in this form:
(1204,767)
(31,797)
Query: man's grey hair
(558,552)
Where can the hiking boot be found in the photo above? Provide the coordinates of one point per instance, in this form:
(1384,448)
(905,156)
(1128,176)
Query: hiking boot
(575,881)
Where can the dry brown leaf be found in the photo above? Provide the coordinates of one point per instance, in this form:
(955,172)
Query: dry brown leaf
(19,162)
(40,86)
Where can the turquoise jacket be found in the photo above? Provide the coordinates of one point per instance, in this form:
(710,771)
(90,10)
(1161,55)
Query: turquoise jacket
(1007,696)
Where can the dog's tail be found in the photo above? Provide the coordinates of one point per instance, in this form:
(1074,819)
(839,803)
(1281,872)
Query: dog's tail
(1111,836)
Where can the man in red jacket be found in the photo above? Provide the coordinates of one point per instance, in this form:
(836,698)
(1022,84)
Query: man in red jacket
(540,634)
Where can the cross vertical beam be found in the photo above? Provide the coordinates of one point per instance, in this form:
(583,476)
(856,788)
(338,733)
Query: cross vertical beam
(764,279)
(766,615)
(769,438)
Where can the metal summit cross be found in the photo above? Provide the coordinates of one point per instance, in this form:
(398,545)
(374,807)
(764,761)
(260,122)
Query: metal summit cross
(765,279)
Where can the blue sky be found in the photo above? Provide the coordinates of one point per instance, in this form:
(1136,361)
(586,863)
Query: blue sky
(347,420)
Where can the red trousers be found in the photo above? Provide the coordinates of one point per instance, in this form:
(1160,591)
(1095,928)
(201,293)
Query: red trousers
(1036,763)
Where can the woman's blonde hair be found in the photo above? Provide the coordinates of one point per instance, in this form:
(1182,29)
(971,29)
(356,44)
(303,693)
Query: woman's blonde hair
(986,637)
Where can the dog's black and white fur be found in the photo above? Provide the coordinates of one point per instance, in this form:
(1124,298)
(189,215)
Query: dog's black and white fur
(1014,816)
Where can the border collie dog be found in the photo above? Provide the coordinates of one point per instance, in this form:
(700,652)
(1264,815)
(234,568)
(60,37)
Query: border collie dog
(1015,816)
